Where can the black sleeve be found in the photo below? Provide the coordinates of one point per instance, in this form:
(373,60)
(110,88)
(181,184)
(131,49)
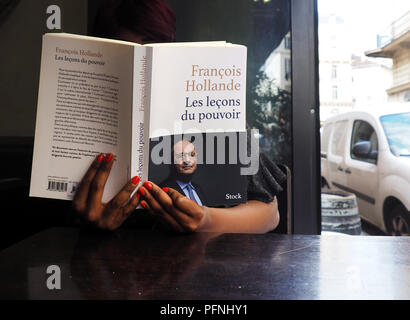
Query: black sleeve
(267,182)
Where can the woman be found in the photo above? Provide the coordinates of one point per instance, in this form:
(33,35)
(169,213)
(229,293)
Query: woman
(145,21)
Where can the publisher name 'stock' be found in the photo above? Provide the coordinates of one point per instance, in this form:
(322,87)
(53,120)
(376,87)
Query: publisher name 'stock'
(229,196)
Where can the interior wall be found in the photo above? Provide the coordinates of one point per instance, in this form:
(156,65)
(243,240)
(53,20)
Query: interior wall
(21,30)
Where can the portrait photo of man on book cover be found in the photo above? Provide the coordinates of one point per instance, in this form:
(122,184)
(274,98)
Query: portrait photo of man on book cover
(203,167)
(183,170)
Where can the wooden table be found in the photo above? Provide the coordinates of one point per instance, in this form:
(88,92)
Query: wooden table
(145,264)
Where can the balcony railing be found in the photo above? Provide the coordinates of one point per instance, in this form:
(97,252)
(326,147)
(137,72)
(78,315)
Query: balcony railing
(394,31)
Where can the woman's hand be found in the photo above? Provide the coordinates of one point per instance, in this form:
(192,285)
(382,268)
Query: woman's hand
(172,208)
(88,198)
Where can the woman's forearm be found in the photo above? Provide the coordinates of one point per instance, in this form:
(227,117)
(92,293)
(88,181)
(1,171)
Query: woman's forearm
(251,217)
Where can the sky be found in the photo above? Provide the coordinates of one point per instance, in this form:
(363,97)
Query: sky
(364,19)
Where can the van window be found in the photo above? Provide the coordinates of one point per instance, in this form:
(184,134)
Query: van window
(363,131)
(397,130)
(338,138)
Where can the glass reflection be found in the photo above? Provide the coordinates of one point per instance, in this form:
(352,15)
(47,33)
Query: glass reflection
(109,269)
(271,103)
(371,268)
(397,129)
(264,27)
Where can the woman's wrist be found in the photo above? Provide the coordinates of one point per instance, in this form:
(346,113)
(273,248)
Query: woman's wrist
(205,222)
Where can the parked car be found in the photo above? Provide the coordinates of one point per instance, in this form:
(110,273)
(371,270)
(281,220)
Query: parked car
(368,153)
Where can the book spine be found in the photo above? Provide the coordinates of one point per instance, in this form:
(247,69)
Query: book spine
(147,114)
(139,109)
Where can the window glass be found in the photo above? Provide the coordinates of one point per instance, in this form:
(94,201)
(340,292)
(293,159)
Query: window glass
(287,43)
(363,131)
(334,92)
(288,68)
(364,67)
(397,130)
(334,72)
(264,27)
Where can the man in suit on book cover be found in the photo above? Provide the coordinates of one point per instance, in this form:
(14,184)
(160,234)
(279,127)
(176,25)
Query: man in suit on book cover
(183,170)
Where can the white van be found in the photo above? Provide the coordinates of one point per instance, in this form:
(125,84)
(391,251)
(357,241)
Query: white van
(368,154)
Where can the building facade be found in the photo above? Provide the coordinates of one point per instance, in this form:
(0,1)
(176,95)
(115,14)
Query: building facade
(394,43)
(335,71)
(371,80)
(278,65)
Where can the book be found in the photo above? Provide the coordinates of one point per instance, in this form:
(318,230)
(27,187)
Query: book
(171,113)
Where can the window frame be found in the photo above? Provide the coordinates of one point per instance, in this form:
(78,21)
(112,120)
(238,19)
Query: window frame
(306,175)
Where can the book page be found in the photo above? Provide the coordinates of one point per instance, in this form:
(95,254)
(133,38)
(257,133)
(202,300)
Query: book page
(84,109)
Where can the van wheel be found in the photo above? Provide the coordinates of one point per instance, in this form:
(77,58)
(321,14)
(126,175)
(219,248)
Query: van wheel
(399,221)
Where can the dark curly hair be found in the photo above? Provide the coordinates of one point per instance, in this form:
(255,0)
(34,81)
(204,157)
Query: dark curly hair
(154,20)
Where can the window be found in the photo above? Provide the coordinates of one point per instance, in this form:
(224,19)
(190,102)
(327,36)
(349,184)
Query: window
(288,68)
(397,129)
(334,92)
(334,72)
(363,131)
(287,43)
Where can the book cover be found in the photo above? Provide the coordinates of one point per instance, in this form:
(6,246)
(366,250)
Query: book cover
(197,121)
(84,107)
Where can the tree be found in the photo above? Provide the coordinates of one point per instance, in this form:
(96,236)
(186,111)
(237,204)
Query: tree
(269,111)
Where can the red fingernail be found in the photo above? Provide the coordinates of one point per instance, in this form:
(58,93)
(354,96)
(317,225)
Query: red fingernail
(135,180)
(141,191)
(138,195)
(100,157)
(165,189)
(148,185)
(109,157)
(143,204)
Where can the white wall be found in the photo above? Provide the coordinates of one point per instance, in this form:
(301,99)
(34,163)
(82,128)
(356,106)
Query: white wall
(370,84)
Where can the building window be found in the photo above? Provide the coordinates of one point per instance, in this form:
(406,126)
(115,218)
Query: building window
(287,43)
(288,68)
(334,92)
(334,72)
